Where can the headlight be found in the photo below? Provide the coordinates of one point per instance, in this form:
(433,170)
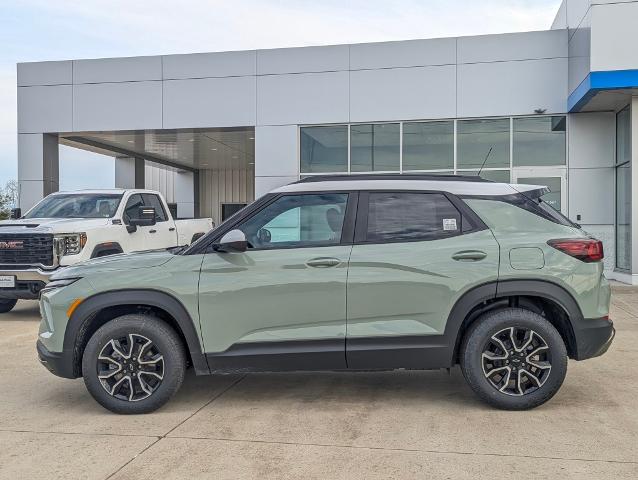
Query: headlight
(55,284)
(69,243)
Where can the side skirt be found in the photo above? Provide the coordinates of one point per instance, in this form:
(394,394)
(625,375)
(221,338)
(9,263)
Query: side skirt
(374,353)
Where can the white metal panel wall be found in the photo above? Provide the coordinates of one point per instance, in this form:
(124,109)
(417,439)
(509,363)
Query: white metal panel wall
(233,185)
(161,179)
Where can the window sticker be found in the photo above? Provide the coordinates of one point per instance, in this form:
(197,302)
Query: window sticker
(449,224)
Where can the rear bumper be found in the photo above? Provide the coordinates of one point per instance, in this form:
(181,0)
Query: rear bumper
(28,283)
(58,363)
(593,337)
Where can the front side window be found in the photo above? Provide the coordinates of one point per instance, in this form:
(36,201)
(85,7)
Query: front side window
(132,207)
(297,221)
(154,201)
(411,216)
(76,206)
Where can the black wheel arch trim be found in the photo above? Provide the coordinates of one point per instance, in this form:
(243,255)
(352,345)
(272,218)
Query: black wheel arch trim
(84,313)
(106,247)
(509,288)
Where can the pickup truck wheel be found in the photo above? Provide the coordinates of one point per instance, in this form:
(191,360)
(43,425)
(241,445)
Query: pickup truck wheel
(134,364)
(6,305)
(514,359)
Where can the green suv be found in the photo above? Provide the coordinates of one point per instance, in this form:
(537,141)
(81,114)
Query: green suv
(343,273)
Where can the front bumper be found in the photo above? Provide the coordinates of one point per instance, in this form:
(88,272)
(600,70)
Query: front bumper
(593,337)
(58,363)
(29,282)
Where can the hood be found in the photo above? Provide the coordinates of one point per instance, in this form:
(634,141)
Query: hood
(124,261)
(52,225)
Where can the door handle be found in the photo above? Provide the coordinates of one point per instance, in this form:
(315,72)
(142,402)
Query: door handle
(323,262)
(469,256)
(152,231)
(172,229)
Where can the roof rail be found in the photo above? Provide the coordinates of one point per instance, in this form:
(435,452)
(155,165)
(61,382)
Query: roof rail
(391,176)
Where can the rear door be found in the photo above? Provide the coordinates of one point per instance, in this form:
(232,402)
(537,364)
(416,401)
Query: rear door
(415,254)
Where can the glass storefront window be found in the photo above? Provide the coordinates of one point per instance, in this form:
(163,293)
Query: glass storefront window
(623,190)
(539,141)
(374,147)
(428,145)
(500,176)
(324,149)
(475,138)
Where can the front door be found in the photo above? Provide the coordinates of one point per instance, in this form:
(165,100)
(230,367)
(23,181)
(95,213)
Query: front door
(414,256)
(282,303)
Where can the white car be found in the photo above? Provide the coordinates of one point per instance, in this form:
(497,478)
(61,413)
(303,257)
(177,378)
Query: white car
(66,228)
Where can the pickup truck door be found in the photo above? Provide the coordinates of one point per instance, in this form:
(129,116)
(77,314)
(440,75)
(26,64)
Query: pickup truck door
(163,234)
(282,303)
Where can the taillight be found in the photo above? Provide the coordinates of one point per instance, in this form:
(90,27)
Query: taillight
(585,249)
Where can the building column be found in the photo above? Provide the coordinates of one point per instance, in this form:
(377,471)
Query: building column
(130,172)
(276,157)
(634,189)
(185,193)
(38,168)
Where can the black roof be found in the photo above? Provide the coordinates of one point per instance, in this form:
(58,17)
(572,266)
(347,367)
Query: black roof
(392,176)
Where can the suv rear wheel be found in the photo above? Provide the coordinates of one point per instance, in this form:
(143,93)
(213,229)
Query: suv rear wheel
(513,359)
(134,364)
(6,305)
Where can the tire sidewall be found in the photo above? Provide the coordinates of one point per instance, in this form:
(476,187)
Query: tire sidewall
(477,338)
(7,304)
(166,341)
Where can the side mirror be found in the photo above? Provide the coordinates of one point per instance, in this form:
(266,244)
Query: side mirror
(145,218)
(233,241)
(16,213)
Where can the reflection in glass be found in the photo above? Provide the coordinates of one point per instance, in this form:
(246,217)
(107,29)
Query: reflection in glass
(476,137)
(539,141)
(428,145)
(374,148)
(324,149)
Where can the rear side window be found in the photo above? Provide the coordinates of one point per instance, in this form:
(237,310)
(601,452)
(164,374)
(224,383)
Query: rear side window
(533,203)
(410,216)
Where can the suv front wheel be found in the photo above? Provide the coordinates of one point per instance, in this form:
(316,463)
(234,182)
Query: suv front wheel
(6,305)
(134,364)
(513,359)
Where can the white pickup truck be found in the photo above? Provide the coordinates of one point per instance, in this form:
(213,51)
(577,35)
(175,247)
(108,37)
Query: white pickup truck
(70,227)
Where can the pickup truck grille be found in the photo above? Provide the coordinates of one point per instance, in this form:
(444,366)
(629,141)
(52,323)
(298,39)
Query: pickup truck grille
(20,249)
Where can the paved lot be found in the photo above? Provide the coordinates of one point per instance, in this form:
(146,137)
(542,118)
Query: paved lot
(367,425)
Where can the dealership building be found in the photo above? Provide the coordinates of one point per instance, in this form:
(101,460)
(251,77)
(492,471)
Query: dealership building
(213,131)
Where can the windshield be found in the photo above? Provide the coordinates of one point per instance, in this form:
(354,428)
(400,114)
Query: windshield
(76,205)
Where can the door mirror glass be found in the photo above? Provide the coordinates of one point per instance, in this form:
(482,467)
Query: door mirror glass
(233,241)
(145,217)
(15,213)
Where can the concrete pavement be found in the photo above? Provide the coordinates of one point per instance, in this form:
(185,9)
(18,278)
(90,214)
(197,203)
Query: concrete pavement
(325,425)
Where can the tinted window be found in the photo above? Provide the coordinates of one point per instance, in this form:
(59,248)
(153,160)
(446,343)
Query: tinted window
(411,216)
(539,141)
(324,149)
(154,201)
(298,221)
(132,206)
(375,147)
(428,146)
(483,143)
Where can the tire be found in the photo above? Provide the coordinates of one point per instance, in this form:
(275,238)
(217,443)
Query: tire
(113,351)
(7,304)
(487,355)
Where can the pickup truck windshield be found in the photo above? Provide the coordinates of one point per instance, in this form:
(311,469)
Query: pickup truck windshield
(84,205)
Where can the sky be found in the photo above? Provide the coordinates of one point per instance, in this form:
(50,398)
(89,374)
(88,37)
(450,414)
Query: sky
(38,30)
